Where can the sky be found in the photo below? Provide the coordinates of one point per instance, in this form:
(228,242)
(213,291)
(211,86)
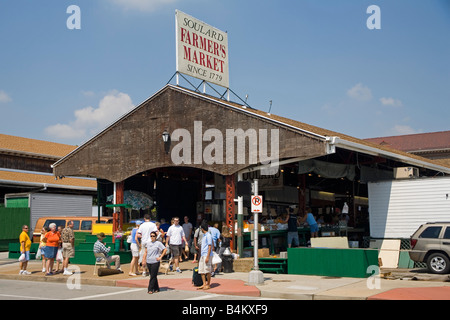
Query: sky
(316,60)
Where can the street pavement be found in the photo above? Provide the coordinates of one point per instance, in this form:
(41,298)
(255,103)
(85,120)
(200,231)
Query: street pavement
(393,284)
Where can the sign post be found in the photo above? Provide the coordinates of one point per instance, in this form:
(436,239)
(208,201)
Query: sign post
(256,276)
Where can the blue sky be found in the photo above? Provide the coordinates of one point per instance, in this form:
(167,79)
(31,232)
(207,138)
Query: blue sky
(315,59)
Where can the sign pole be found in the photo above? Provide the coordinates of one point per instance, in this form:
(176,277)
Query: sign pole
(256,276)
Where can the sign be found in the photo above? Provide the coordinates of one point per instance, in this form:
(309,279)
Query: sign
(257,204)
(202,50)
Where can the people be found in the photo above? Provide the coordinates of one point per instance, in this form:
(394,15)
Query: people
(144,233)
(135,248)
(187,228)
(198,236)
(175,236)
(68,246)
(225,241)
(215,234)
(293,224)
(99,247)
(309,218)
(42,246)
(153,253)
(204,266)
(25,246)
(52,239)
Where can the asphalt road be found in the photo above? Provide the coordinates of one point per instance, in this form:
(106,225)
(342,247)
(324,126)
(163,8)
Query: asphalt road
(31,290)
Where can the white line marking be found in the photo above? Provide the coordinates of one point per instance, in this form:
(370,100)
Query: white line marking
(25,297)
(107,294)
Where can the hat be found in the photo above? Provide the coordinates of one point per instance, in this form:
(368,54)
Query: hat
(138,222)
(101,236)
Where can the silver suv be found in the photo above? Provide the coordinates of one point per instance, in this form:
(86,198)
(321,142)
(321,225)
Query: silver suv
(431,244)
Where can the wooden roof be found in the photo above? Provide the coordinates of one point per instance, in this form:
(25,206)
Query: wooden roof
(133,143)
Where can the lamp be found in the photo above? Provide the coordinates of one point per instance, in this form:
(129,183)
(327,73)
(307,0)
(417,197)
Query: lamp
(165,136)
(166,139)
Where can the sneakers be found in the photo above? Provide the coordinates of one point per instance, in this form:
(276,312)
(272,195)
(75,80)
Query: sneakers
(67,273)
(178,270)
(24,272)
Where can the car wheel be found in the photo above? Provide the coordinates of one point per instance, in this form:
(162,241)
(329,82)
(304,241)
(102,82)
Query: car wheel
(438,263)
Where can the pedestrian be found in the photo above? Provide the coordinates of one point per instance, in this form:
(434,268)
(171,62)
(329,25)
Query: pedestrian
(59,256)
(42,246)
(309,218)
(135,249)
(187,228)
(204,266)
(25,246)
(198,236)
(175,236)
(215,234)
(153,253)
(52,239)
(225,242)
(292,231)
(99,247)
(144,234)
(68,246)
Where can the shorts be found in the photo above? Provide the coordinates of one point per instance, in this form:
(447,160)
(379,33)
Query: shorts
(314,227)
(293,236)
(176,249)
(134,250)
(68,250)
(50,252)
(203,267)
(27,256)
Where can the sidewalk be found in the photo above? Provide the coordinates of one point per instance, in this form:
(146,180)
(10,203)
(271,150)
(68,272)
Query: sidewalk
(283,286)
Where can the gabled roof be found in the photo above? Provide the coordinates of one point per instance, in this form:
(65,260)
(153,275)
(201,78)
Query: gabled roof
(129,120)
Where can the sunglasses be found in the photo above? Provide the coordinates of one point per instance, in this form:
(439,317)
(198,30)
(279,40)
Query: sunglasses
(153,236)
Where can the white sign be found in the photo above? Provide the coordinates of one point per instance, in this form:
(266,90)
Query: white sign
(202,50)
(257,204)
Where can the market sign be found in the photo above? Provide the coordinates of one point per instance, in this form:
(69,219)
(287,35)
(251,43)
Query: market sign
(202,50)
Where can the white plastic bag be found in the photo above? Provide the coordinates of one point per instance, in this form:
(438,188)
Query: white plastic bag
(216,259)
(38,254)
(59,256)
(22,257)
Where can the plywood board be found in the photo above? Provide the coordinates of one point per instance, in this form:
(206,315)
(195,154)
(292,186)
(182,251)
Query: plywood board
(330,242)
(389,251)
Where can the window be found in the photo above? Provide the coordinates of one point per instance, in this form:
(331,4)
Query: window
(431,233)
(447,233)
(76,224)
(86,225)
(55,221)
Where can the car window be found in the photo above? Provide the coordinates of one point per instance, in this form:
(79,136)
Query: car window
(55,221)
(447,233)
(86,225)
(76,224)
(431,233)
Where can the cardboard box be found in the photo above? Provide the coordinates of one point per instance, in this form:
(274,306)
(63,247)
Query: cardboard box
(263,253)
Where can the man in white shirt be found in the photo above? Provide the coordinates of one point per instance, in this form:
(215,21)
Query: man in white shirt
(175,236)
(144,233)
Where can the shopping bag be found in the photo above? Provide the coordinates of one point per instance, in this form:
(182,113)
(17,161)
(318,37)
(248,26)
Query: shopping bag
(22,257)
(59,256)
(38,254)
(216,259)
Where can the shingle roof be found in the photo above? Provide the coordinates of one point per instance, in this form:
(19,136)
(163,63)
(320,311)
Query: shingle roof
(416,142)
(33,146)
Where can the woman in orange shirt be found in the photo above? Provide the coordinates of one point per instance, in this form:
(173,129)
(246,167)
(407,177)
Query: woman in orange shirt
(52,240)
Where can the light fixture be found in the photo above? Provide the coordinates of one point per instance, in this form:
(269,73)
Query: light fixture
(166,139)
(165,136)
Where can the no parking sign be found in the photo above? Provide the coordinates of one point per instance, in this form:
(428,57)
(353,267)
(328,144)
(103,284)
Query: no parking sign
(257,204)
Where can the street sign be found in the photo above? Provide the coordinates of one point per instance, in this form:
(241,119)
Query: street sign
(257,204)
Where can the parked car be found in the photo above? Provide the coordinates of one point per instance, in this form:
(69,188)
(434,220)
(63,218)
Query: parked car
(431,244)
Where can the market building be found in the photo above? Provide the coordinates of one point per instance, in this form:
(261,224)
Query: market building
(188,150)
